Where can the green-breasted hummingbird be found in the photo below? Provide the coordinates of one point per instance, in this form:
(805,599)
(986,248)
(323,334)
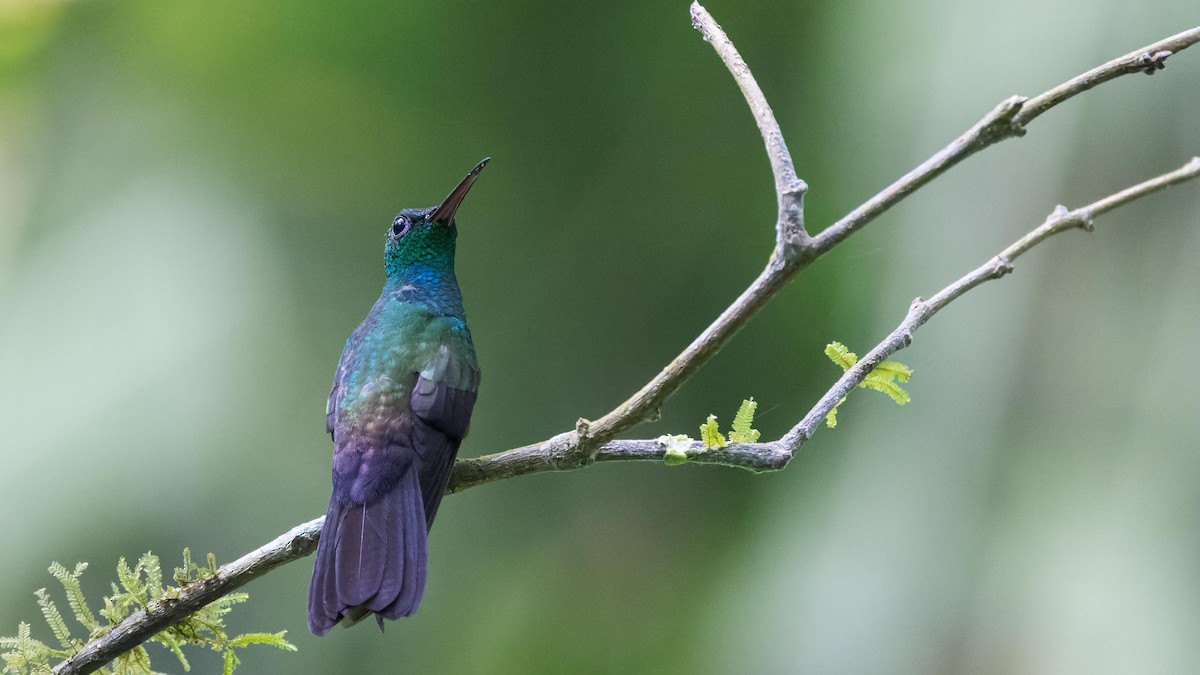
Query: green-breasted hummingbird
(400,405)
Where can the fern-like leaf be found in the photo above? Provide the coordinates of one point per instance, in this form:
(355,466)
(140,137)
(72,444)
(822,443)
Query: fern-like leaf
(831,418)
(25,654)
(710,434)
(885,384)
(70,584)
(130,580)
(136,587)
(176,646)
(270,639)
(895,369)
(884,378)
(55,620)
(741,431)
(840,355)
(152,567)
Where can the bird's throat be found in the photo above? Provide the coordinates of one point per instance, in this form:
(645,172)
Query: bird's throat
(431,285)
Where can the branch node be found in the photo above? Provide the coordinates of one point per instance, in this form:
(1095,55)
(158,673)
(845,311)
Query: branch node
(1060,212)
(1000,266)
(794,190)
(1154,62)
(1001,122)
(791,239)
(582,427)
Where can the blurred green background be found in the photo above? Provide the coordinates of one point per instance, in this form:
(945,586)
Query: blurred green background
(193,199)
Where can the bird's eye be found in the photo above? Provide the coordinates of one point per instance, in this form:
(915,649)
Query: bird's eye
(400,225)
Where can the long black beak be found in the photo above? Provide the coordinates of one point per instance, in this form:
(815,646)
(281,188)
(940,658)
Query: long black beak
(444,212)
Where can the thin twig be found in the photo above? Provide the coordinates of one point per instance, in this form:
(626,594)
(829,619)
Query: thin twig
(1006,120)
(788,187)
(921,310)
(792,253)
(995,126)
(1145,60)
(794,250)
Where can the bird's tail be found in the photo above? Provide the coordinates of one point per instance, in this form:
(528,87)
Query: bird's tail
(372,558)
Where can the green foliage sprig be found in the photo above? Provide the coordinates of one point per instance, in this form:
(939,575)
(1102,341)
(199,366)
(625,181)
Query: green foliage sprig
(679,445)
(140,587)
(710,433)
(885,378)
(741,430)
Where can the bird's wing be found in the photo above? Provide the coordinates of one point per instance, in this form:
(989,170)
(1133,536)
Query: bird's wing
(339,381)
(331,404)
(443,398)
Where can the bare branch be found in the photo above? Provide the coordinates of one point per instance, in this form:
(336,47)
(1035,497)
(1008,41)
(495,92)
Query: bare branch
(1006,120)
(1145,60)
(792,253)
(995,126)
(789,188)
(1060,220)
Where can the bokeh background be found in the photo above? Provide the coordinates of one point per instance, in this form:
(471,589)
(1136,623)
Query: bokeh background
(193,199)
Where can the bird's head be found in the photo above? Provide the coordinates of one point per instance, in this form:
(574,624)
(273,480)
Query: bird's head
(427,235)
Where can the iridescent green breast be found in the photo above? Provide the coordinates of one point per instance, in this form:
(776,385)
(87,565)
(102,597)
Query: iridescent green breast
(384,356)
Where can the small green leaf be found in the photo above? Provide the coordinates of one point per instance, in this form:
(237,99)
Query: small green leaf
(741,431)
(710,434)
(70,584)
(894,368)
(840,355)
(884,378)
(831,418)
(270,639)
(55,620)
(886,385)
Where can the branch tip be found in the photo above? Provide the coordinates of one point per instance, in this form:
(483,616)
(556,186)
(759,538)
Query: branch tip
(699,17)
(783,168)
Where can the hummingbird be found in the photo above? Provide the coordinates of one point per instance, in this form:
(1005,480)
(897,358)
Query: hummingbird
(399,408)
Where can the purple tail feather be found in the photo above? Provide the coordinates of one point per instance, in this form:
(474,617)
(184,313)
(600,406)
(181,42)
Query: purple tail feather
(372,558)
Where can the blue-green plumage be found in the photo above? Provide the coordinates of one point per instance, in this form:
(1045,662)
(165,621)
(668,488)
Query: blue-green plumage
(399,408)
